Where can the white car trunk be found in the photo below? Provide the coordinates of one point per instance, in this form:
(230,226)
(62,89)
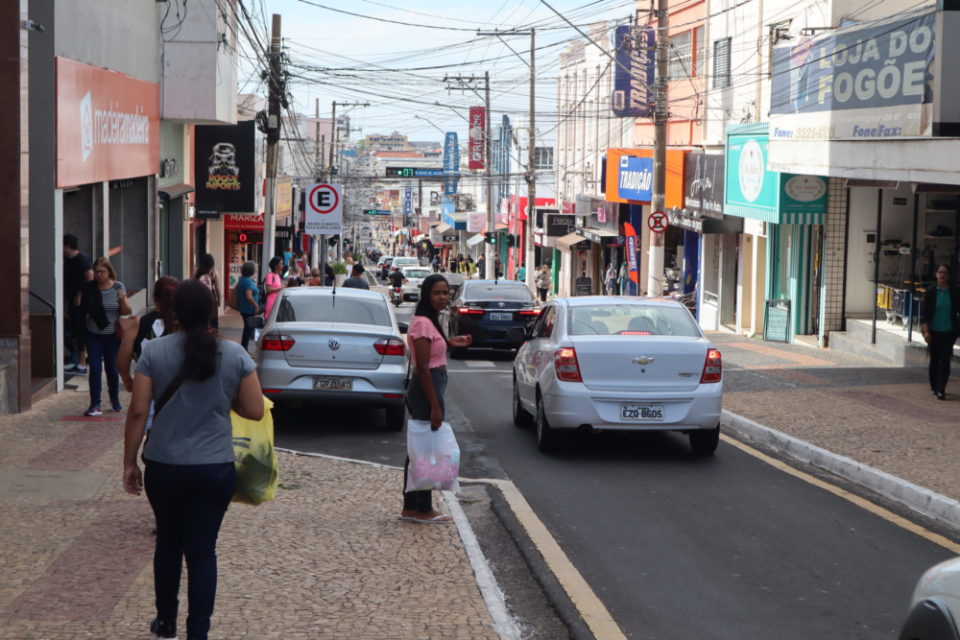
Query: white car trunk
(332,346)
(616,363)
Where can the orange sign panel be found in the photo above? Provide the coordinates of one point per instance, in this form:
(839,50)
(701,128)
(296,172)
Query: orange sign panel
(108,125)
(674,187)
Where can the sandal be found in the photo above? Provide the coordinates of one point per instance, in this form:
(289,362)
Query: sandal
(436,518)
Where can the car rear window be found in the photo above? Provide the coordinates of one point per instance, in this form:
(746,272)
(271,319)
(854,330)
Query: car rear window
(512,292)
(331,308)
(416,273)
(621,319)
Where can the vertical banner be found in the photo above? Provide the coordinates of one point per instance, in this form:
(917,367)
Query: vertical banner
(632,247)
(633,78)
(407,200)
(451,163)
(225,168)
(478,127)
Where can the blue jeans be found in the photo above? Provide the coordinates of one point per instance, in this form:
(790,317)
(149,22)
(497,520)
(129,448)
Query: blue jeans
(189,502)
(102,350)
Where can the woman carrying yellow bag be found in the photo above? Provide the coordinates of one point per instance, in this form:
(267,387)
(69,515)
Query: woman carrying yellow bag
(194,380)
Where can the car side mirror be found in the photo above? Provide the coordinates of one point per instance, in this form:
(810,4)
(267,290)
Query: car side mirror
(403,327)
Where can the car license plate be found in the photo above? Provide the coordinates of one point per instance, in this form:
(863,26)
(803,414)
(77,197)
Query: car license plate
(332,383)
(501,317)
(641,412)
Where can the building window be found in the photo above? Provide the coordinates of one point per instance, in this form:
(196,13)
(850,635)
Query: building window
(680,64)
(543,158)
(721,63)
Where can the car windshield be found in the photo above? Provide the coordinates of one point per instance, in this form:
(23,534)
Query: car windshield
(331,308)
(622,319)
(512,292)
(404,262)
(416,273)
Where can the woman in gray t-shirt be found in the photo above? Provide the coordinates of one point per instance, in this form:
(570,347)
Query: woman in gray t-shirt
(103,300)
(194,379)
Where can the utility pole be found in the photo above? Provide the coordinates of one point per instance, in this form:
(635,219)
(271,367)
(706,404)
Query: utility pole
(531,176)
(660,114)
(463,84)
(318,169)
(275,89)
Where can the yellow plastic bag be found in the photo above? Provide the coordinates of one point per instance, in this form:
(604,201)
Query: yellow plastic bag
(257,469)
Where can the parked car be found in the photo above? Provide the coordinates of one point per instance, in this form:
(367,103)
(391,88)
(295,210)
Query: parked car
(412,279)
(341,347)
(612,363)
(935,604)
(383,265)
(488,310)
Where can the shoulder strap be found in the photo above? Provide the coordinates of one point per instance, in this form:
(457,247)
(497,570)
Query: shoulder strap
(171,389)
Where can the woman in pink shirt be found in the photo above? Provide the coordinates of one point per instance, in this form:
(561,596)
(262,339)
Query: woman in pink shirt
(272,284)
(428,347)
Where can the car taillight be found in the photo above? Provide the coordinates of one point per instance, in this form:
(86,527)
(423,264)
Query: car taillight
(712,368)
(565,362)
(277,343)
(469,311)
(392,347)
(528,312)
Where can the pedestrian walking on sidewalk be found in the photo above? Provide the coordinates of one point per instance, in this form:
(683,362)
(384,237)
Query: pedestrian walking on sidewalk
(77,269)
(272,284)
(104,300)
(428,347)
(543,282)
(248,303)
(207,274)
(940,324)
(194,379)
(156,323)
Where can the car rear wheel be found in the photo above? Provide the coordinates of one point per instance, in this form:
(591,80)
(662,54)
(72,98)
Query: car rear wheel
(704,441)
(396,417)
(546,436)
(521,418)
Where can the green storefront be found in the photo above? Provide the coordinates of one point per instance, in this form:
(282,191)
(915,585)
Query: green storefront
(791,209)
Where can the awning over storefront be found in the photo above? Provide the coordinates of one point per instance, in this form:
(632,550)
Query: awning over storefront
(175,190)
(442,227)
(596,235)
(475,240)
(568,241)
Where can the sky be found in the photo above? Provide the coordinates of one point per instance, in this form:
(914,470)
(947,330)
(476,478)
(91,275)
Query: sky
(399,69)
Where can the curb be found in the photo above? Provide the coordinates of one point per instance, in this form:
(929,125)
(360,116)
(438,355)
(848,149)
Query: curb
(922,501)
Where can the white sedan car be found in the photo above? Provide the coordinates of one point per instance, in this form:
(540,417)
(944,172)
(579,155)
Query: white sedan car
(616,363)
(412,279)
(935,603)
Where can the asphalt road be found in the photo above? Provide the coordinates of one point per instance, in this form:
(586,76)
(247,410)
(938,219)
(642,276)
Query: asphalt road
(725,547)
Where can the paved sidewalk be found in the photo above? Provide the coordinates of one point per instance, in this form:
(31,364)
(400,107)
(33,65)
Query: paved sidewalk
(875,413)
(327,559)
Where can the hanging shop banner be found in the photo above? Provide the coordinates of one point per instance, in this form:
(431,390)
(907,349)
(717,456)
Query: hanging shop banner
(860,82)
(476,221)
(451,163)
(108,125)
(407,200)
(633,77)
(284,200)
(225,167)
(560,224)
(703,183)
(478,127)
(630,235)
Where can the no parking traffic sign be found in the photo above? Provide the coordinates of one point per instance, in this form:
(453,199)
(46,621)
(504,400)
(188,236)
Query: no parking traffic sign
(658,222)
(324,210)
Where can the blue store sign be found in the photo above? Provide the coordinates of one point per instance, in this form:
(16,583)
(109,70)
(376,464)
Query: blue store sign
(635,178)
(632,95)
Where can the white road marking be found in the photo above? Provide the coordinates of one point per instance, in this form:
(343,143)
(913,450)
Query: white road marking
(479,364)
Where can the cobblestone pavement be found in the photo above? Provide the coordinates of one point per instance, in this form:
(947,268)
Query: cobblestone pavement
(878,414)
(327,559)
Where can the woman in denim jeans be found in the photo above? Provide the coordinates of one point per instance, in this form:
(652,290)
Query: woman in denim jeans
(428,347)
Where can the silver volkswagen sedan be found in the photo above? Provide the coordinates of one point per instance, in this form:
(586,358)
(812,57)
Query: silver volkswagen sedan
(617,363)
(337,346)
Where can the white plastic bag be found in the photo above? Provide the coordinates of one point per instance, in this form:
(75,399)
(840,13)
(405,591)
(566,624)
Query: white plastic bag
(434,457)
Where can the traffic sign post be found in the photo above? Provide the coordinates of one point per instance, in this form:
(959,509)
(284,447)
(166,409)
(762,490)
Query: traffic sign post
(658,222)
(324,210)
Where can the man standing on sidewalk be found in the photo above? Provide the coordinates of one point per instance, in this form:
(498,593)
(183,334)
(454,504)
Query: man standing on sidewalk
(940,323)
(77,269)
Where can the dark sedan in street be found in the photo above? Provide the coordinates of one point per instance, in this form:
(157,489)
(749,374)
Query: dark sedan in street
(488,310)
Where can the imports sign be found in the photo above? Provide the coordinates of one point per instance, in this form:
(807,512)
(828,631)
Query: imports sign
(108,125)
(225,169)
(632,95)
(478,127)
(857,83)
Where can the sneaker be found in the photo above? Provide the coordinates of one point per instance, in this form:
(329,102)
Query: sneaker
(70,367)
(94,410)
(116,406)
(80,370)
(164,630)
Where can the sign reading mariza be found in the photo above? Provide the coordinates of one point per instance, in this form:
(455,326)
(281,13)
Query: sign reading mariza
(324,210)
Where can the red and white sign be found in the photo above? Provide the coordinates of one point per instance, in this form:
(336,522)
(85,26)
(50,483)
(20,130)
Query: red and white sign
(108,125)
(324,210)
(478,126)
(237,222)
(658,222)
